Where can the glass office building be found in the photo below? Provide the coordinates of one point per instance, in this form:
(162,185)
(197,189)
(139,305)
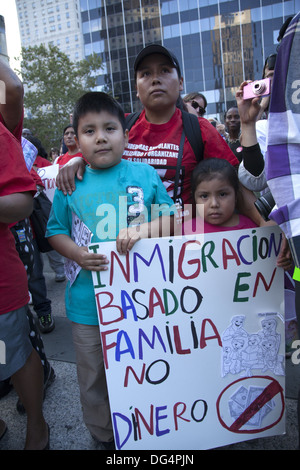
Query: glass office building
(218,43)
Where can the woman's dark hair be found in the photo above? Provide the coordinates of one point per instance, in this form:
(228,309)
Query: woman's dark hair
(97,101)
(67,127)
(38,145)
(207,169)
(270,63)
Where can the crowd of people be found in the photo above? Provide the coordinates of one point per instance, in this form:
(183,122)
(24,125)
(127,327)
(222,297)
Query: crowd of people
(221,179)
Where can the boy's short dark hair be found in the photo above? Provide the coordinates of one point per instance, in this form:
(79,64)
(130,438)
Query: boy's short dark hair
(97,101)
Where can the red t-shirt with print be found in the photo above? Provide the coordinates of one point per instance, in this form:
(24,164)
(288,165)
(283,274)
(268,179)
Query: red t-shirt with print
(158,145)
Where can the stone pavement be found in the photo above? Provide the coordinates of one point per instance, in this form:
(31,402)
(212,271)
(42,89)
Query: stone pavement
(62,406)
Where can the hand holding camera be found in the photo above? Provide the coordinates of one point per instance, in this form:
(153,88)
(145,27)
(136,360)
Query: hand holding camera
(249,110)
(257,89)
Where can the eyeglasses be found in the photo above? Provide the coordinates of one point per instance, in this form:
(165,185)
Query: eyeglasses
(196,105)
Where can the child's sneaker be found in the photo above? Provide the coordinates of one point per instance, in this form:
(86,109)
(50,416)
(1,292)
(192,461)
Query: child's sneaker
(46,323)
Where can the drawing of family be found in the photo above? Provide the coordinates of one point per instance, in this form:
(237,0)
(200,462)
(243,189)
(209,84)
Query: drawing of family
(244,352)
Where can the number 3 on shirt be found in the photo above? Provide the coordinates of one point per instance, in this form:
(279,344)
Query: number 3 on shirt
(138,199)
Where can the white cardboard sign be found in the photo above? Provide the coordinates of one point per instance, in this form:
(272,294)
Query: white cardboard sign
(48,176)
(193,339)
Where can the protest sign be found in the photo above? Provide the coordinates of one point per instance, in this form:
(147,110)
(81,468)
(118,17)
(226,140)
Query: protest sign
(193,339)
(48,176)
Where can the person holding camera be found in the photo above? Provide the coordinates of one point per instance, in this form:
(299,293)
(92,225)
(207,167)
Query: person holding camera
(249,109)
(256,129)
(259,183)
(262,118)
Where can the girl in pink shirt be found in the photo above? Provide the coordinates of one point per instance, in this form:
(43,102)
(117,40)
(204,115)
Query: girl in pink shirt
(215,191)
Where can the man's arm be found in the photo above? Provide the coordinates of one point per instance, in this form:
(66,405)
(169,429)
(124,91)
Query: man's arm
(15,207)
(253,160)
(65,180)
(12,109)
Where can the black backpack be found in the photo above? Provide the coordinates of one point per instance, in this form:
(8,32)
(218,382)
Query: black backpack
(39,219)
(191,129)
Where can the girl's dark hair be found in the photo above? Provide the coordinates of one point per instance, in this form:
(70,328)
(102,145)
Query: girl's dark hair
(207,169)
(97,101)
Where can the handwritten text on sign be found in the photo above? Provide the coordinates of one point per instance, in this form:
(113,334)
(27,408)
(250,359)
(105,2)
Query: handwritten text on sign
(192,334)
(48,176)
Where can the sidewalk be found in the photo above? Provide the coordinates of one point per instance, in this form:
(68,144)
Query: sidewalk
(62,408)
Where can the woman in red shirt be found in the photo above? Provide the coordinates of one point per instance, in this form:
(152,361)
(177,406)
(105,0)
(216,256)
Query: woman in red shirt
(73,151)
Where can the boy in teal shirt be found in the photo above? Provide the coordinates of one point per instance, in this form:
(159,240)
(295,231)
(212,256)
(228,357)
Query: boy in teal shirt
(114,198)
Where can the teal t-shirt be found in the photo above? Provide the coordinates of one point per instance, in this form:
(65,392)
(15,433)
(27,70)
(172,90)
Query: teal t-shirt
(106,201)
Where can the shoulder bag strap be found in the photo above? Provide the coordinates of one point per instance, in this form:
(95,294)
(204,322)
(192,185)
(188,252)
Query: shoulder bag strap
(178,166)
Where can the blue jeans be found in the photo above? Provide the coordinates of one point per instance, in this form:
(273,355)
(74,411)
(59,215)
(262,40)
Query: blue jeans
(37,285)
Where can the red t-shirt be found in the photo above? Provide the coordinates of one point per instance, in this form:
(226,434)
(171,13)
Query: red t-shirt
(63,159)
(41,162)
(14,178)
(158,145)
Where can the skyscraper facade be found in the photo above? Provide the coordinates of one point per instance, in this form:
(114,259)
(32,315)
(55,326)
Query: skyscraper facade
(55,22)
(218,43)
